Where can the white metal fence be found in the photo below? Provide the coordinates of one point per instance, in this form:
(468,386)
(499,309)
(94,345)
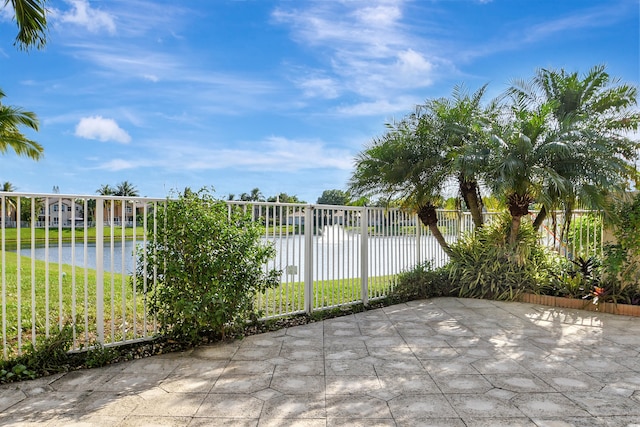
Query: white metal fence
(58,268)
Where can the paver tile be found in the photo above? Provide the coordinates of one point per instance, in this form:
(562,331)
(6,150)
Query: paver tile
(463,383)
(548,405)
(356,406)
(483,406)
(295,406)
(230,405)
(417,407)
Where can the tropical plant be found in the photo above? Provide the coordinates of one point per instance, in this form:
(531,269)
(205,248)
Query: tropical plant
(408,165)
(465,126)
(125,188)
(254,196)
(9,203)
(31,18)
(11,118)
(518,168)
(592,116)
(422,281)
(485,265)
(210,263)
(105,190)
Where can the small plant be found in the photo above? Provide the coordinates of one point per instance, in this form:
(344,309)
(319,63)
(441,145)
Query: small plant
(47,357)
(17,372)
(99,356)
(208,263)
(485,265)
(422,282)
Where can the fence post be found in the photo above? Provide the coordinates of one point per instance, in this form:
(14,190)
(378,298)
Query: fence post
(100,270)
(364,254)
(308,259)
(418,224)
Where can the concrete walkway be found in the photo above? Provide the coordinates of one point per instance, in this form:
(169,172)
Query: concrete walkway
(440,362)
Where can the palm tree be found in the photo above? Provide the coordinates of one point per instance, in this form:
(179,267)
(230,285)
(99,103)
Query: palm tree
(31,17)
(256,195)
(125,188)
(594,115)
(11,204)
(518,168)
(11,137)
(407,165)
(105,190)
(464,125)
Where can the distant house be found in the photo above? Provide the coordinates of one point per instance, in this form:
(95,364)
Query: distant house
(296,218)
(60,212)
(124,215)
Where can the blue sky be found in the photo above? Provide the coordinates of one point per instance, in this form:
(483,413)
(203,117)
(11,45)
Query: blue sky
(278,95)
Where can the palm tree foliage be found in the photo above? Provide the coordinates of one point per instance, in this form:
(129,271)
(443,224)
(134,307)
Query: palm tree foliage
(125,188)
(591,117)
(105,190)
(11,118)
(31,18)
(521,165)
(464,136)
(406,163)
(560,140)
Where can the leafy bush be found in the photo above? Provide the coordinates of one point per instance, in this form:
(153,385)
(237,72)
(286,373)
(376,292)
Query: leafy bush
(621,265)
(485,265)
(422,282)
(47,357)
(209,264)
(585,234)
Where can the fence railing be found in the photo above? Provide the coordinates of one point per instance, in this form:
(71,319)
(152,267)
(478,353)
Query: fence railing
(53,274)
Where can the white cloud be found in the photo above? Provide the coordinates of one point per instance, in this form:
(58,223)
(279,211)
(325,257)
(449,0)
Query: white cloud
(378,107)
(118,165)
(381,15)
(320,87)
(97,127)
(273,154)
(84,15)
(367,46)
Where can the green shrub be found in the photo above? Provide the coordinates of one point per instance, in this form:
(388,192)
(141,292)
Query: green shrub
(584,235)
(422,282)
(485,265)
(621,264)
(209,263)
(49,356)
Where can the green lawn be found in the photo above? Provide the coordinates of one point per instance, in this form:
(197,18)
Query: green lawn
(67,293)
(289,297)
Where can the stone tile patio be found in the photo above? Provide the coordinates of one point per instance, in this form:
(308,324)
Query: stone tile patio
(440,362)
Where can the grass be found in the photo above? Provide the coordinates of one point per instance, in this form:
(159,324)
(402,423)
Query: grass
(289,297)
(65,293)
(11,235)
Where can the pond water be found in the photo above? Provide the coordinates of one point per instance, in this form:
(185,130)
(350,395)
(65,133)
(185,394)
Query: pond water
(334,257)
(74,254)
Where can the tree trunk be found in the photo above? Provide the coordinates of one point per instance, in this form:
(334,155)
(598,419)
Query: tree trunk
(518,207)
(471,196)
(428,216)
(540,218)
(515,229)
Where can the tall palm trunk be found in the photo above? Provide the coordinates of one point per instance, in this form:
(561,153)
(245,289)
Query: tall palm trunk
(518,207)
(540,218)
(428,216)
(471,195)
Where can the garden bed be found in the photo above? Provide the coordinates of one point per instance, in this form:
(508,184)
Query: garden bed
(604,307)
